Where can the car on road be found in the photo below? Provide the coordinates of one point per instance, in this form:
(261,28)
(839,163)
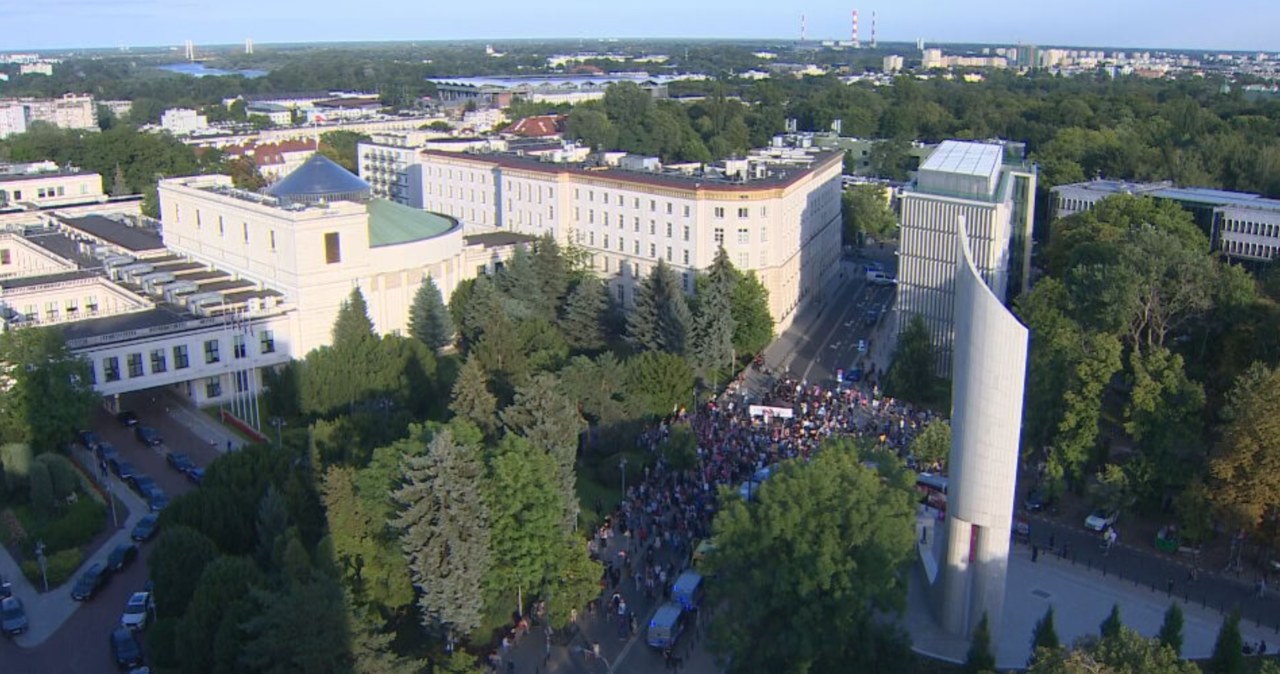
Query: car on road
(89,439)
(1036,501)
(125,648)
(179,462)
(13,616)
(123,469)
(862,346)
(137,611)
(195,475)
(146,527)
(873,316)
(90,582)
(127,419)
(142,484)
(148,436)
(1101,519)
(853,375)
(121,557)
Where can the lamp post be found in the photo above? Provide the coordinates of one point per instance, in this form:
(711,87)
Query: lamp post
(622,466)
(278,423)
(111,496)
(44,564)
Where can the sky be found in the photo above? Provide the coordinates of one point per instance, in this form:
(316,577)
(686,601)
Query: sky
(1221,25)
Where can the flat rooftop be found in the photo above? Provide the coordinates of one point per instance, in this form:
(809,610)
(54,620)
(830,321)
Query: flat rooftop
(138,320)
(1198,195)
(972,159)
(391,223)
(133,239)
(31,281)
(63,246)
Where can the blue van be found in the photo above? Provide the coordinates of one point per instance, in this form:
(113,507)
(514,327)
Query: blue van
(688,590)
(747,490)
(666,625)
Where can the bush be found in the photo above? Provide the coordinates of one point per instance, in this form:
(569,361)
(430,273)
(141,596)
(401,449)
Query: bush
(61,566)
(16,458)
(41,486)
(82,520)
(65,477)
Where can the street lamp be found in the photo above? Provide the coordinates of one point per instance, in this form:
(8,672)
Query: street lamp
(44,564)
(111,496)
(278,423)
(622,466)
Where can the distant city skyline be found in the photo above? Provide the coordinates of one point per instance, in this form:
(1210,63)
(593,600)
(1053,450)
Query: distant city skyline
(1224,25)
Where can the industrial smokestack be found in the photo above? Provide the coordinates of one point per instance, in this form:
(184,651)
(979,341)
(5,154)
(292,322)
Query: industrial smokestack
(855,30)
(873,29)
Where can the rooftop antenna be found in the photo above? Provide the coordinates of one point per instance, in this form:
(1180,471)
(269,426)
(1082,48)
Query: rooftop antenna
(873,29)
(856,44)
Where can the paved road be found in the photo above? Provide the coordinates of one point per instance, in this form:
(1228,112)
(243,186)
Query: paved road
(81,643)
(1156,570)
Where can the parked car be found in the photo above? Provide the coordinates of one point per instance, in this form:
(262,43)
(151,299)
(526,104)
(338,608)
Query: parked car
(127,419)
(90,440)
(1036,501)
(146,527)
(148,436)
(123,469)
(106,452)
(1101,520)
(179,461)
(196,475)
(137,611)
(142,484)
(122,556)
(158,500)
(126,649)
(13,616)
(90,582)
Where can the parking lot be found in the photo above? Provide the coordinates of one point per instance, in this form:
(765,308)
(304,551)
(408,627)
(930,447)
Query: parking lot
(81,644)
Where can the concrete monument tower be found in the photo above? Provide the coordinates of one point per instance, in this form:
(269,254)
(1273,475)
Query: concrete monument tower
(988,374)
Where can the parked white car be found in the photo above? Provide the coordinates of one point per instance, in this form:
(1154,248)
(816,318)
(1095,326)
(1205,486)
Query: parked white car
(137,613)
(1101,520)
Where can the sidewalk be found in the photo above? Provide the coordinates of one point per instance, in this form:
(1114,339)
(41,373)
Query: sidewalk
(200,424)
(46,612)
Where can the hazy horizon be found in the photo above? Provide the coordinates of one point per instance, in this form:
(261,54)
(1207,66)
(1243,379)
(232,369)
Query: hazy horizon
(1226,25)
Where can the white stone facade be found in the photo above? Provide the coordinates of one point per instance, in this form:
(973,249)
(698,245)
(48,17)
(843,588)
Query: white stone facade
(989,376)
(183,121)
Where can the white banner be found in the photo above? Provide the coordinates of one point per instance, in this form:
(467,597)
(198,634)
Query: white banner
(765,410)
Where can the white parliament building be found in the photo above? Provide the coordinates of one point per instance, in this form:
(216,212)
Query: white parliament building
(229,281)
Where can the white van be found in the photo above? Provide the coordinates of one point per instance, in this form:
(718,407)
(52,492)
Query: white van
(879,278)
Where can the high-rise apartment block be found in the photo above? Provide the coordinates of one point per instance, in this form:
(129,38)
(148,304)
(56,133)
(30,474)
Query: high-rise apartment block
(989,189)
(776,213)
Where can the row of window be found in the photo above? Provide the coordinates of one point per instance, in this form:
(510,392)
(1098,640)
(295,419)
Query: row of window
(1252,228)
(1254,250)
(181,357)
(53,313)
(222,228)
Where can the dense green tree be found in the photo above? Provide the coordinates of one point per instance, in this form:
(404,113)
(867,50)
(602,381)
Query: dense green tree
(1245,467)
(551,423)
(340,146)
(660,319)
(64,477)
(472,399)
(573,583)
(48,395)
(179,557)
(445,533)
(1082,409)
(790,589)
(583,322)
(364,548)
(933,445)
(660,382)
(1112,625)
(551,271)
(1054,348)
(429,320)
(222,593)
(752,322)
(912,375)
(1044,637)
(980,659)
(526,507)
(599,387)
(1228,649)
(1171,629)
(1163,418)
(865,212)
(1127,652)
(711,338)
(301,628)
(891,159)
(271,526)
(40,488)
(592,127)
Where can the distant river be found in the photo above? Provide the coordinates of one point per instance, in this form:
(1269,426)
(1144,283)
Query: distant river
(200,70)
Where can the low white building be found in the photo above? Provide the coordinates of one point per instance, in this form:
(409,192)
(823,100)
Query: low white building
(183,121)
(42,68)
(45,184)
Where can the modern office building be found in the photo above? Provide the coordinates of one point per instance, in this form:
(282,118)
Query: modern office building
(776,213)
(989,375)
(988,186)
(1243,225)
(315,235)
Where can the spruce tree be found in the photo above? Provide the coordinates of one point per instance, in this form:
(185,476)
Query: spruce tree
(1111,626)
(1228,650)
(444,530)
(1044,636)
(551,423)
(660,319)
(429,320)
(584,316)
(713,327)
(980,658)
(522,289)
(353,326)
(551,267)
(472,399)
(119,186)
(1171,629)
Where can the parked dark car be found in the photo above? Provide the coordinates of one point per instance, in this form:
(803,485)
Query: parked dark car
(157,500)
(1036,501)
(146,528)
(123,469)
(196,475)
(148,436)
(179,462)
(90,582)
(13,617)
(122,556)
(142,484)
(127,419)
(126,648)
(90,440)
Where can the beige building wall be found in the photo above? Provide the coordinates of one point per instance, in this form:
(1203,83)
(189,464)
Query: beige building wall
(51,189)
